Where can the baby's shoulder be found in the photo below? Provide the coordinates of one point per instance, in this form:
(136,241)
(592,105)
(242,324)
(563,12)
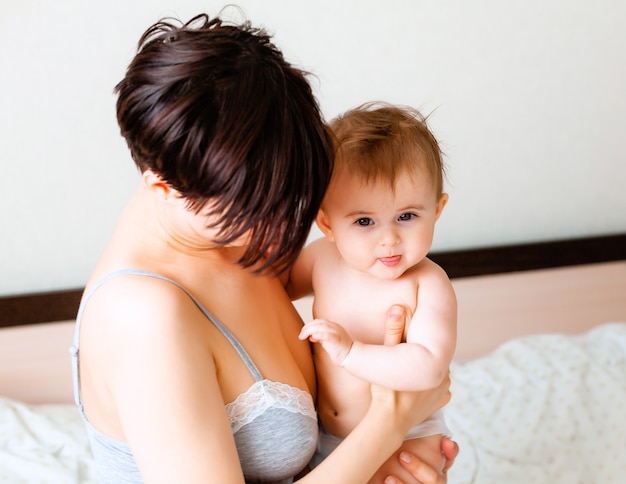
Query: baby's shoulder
(426,271)
(428,267)
(322,251)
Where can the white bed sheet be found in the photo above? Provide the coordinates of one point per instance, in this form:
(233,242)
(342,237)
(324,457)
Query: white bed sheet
(43,444)
(540,409)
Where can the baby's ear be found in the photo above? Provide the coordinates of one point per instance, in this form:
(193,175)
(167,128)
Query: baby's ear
(323,224)
(443,200)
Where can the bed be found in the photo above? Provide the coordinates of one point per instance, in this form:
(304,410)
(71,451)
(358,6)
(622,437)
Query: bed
(538,380)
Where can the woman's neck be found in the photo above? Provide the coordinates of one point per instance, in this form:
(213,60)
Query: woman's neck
(144,237)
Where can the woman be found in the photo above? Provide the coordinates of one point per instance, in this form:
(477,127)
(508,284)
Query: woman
(187,359)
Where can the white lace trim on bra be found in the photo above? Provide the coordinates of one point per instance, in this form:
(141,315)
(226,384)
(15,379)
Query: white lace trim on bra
(266,394)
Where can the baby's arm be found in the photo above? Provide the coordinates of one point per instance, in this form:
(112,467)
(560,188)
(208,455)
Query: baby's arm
(299,280)
(418,364)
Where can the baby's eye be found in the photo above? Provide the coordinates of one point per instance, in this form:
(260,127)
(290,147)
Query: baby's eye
(364,221)
(406,216)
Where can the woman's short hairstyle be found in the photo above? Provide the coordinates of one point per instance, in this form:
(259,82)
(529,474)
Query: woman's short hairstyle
(216,111)
(378,141)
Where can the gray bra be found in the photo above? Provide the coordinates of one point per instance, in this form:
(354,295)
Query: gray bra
(274,424)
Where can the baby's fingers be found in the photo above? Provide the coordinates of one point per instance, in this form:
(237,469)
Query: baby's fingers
(317,326)
(312,333)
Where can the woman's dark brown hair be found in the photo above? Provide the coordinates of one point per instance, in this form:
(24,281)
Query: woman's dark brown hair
(218,113)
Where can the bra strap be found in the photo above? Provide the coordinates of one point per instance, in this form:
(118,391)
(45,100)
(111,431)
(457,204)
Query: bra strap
(74,351)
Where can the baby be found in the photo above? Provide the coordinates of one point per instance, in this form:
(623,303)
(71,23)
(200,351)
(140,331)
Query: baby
(378,218)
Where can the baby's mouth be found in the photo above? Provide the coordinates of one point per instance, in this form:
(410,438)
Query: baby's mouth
(391,261)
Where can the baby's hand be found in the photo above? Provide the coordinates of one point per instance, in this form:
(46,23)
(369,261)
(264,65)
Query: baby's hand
(334,339)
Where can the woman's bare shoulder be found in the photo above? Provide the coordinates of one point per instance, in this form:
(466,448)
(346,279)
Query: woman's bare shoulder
(132,307)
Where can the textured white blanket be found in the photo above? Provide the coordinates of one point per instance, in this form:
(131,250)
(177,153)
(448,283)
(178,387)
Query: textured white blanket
(543,409)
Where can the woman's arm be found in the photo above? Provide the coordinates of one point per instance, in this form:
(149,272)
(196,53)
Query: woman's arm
(408,464)
(163,383)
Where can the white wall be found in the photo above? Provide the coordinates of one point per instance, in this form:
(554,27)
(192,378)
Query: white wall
(528,100)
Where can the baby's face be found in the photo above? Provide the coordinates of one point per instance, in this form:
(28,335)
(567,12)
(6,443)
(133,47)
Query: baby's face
(381,231)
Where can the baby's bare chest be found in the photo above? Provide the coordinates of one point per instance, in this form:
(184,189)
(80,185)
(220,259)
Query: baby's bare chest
(360,305)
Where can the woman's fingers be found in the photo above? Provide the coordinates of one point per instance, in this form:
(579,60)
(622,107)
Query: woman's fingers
(422,471)
(419,469)
(394,325)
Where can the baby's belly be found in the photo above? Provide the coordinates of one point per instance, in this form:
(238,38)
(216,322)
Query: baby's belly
(342,399)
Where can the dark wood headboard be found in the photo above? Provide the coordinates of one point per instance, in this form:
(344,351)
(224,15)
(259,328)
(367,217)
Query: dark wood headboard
(63,305)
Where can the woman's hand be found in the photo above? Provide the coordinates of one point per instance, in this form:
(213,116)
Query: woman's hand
(423,472)
(408,466)
(403,408)
(417,460)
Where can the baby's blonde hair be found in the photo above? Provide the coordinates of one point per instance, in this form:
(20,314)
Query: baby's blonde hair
(378,141)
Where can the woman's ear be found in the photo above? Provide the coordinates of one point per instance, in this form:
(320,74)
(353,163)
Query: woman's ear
(155,183)
(443,200)
(324,224)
